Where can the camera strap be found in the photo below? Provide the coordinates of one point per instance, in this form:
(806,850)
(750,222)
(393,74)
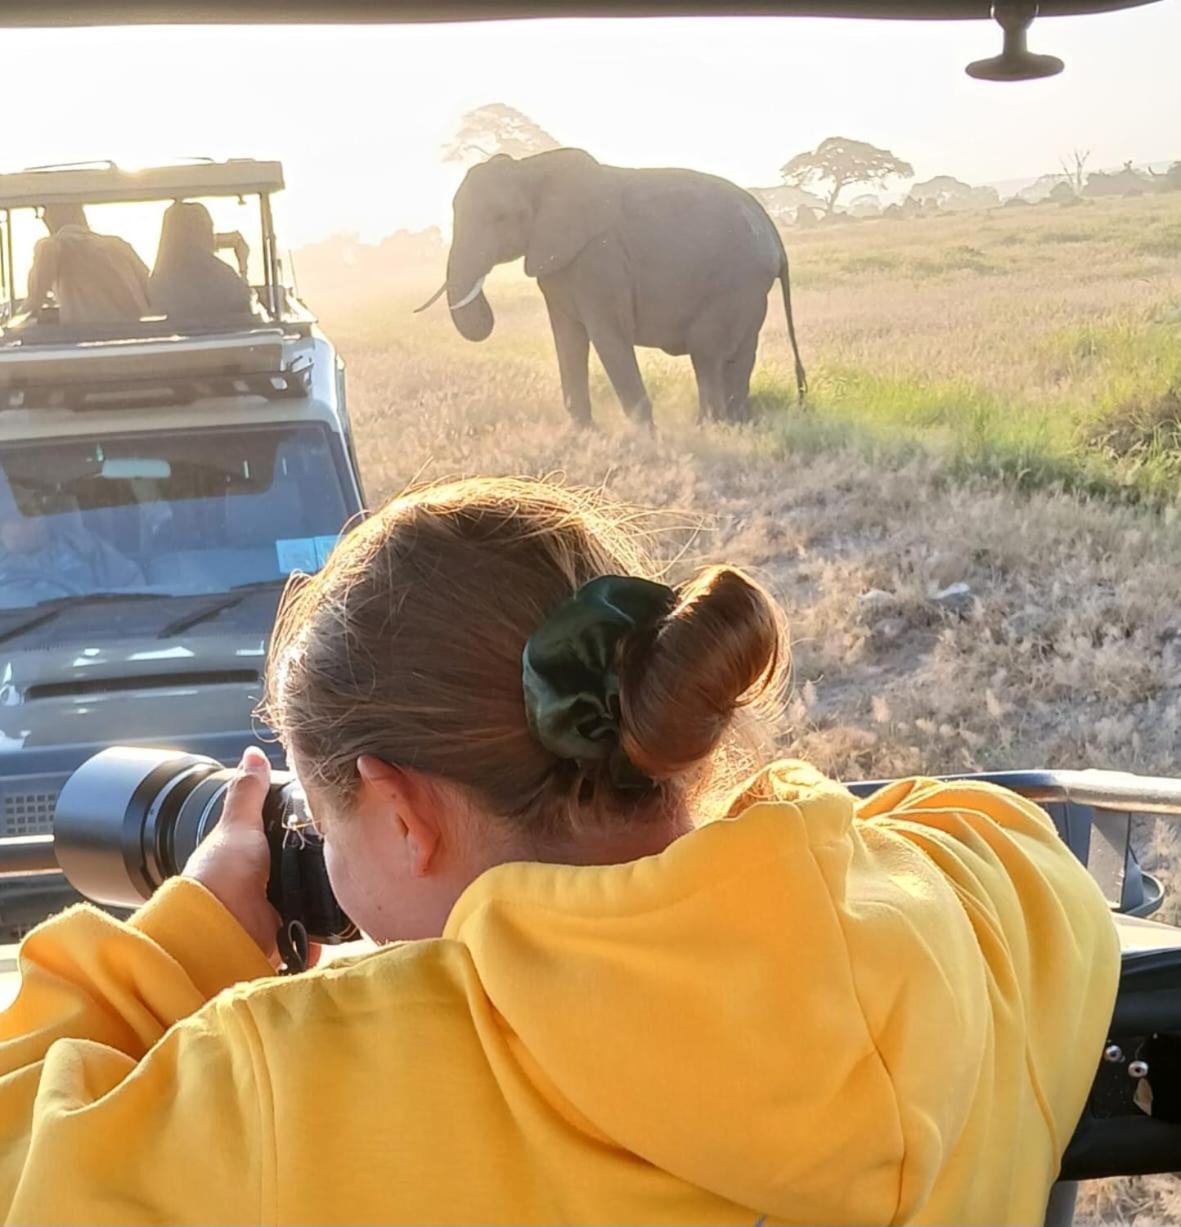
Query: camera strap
(293,948)
(292,936)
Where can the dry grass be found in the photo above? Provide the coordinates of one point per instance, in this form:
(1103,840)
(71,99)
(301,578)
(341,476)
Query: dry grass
(946,354)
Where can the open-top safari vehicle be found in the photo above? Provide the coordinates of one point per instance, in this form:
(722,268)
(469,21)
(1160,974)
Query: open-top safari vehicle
(171,471)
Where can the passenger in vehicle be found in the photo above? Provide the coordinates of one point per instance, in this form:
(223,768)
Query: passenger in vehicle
(623,984)
(94,278)
(47,555)
(189,282)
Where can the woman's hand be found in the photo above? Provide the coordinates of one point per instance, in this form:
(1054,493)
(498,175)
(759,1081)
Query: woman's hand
(234,861)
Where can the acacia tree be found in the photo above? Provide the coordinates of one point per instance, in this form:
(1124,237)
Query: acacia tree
(839,161)
(497,128)
(1043,185)
(942,191)
(1168,180)
(946,192)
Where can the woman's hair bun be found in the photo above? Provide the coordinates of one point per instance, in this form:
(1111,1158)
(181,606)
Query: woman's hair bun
(721,647)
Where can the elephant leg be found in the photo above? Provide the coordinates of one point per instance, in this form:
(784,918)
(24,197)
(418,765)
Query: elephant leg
(711,394)
(704,408)
(573,346)
(619,361)
(736,380)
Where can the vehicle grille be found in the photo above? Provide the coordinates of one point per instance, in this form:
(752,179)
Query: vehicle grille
(29,813)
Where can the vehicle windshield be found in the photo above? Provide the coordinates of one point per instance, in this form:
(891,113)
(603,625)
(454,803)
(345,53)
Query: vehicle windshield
(170,513)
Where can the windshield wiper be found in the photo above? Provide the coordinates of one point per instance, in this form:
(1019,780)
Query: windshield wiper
(237,594)
(53,606)
(29,625)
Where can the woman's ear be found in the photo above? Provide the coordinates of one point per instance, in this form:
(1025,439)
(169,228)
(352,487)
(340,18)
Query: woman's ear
(575,200)
(406,806)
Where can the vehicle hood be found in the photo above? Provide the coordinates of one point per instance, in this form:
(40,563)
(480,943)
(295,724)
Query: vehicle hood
(179,692)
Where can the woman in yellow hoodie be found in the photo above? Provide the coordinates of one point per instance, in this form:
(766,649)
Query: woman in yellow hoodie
(595,1000)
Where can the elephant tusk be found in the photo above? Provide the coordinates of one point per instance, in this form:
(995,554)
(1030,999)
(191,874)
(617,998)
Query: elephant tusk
(434,298)
(470,297)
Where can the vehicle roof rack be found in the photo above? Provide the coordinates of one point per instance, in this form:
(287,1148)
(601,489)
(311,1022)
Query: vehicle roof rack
(106,183)
(160,372)
(161,391)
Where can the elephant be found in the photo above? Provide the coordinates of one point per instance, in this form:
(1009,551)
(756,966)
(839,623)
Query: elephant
(665,259)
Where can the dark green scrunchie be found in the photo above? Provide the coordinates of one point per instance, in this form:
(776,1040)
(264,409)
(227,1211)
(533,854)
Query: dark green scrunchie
(570,670)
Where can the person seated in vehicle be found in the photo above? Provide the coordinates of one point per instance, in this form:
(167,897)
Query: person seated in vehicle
(618,983)
(93,278)
(47,555)
(189,281)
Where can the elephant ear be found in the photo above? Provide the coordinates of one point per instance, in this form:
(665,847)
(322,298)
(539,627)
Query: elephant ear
(576,200)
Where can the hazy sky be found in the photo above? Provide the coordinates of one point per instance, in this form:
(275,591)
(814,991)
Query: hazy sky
(358,114)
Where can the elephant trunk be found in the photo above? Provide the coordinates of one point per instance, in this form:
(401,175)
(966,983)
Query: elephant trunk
(465,296)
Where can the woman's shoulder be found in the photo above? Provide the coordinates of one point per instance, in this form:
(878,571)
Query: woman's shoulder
(786,780)
(392,983)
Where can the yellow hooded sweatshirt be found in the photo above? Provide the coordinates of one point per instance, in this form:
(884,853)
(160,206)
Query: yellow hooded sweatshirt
(810,1011)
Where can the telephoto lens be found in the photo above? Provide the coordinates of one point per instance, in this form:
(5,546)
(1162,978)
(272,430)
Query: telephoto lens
(129,818)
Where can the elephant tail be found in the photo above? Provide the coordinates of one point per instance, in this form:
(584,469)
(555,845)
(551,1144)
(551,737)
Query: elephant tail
(801,375)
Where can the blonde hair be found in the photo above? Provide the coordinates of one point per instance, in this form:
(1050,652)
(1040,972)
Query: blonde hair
(407,646)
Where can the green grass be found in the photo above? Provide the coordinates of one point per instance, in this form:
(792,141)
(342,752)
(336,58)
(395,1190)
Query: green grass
(1163,240)
(1124,444)
(873,263)
(1040,348)
(1131,420)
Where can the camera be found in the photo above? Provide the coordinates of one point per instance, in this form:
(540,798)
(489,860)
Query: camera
(129,818)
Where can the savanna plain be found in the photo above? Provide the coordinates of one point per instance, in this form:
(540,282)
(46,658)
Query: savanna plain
(995,403)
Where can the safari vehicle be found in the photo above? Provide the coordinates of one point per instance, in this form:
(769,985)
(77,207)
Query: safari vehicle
(159,480)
